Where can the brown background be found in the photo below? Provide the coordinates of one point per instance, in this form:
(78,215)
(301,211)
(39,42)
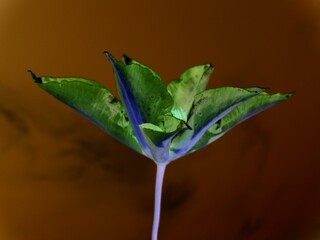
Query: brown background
(62,178)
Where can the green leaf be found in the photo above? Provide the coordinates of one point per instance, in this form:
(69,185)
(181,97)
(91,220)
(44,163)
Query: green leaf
(208,107)
(93,101)
(193,81)
(242,112)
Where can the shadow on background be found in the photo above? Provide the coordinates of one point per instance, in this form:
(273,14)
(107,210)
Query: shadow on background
(63,178)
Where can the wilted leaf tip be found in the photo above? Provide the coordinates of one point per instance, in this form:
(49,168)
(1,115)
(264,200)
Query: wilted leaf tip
(35,78)
(289,95)
(109,56)
(106,52)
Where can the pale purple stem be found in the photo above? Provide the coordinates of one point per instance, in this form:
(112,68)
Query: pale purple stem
(161,167)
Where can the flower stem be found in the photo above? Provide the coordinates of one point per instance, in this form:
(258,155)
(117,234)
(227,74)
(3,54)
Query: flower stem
(161,167)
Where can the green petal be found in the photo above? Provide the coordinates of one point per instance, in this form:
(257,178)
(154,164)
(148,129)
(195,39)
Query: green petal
(208,107)
(143,94)
(93,101)
(158,140)
(193,81)
(149,93)
(242,112)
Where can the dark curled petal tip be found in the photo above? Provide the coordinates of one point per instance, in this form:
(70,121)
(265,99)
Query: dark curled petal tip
(290,94)
(109,56)
(209,66)
(35,78)
(126,59)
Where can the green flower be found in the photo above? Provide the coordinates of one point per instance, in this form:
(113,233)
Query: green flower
(161,122)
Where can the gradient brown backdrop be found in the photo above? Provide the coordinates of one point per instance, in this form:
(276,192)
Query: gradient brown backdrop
(61,178)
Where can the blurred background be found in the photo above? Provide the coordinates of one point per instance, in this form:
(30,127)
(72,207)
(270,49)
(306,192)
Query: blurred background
(62,178)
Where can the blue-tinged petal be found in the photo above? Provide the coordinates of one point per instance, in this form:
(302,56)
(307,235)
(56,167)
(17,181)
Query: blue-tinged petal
(158,141)
(144,95)
(95,102)
(208,108)
(242,112)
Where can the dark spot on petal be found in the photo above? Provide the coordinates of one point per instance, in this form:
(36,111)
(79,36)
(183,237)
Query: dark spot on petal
(113,101)
(218,123)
